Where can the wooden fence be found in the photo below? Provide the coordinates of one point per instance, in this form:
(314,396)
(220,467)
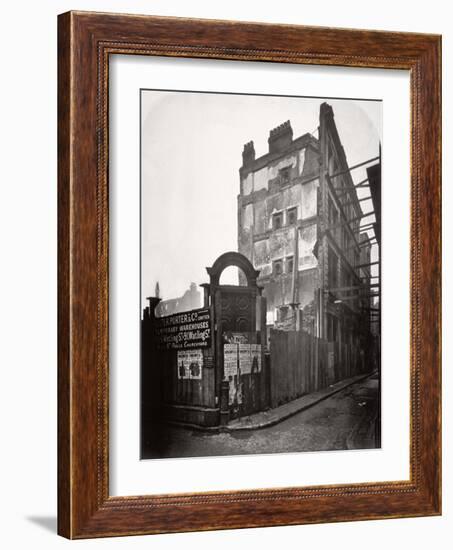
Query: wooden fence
(301,363)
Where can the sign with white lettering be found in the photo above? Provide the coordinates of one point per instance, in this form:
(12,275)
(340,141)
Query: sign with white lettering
(191,329)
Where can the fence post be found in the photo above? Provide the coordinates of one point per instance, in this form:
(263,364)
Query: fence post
(224,405)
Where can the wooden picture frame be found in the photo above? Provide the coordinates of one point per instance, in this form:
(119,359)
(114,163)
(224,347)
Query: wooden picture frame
(85,42)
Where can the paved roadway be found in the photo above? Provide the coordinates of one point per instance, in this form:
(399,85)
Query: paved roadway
(343,421)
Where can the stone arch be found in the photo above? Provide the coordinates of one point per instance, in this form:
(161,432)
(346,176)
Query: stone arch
(236,259)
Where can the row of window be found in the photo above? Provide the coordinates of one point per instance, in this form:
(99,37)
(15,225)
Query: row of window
(291,218)
(279,266)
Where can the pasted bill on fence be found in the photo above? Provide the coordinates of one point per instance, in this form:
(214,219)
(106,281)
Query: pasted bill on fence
(241,359)
(230,360)
(249,358)
(190,364)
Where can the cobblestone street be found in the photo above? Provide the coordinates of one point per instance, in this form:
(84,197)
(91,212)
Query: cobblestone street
(345,420)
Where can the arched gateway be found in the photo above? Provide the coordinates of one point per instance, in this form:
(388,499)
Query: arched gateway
(240,328)
(208,363)
(233,259)
(235,306)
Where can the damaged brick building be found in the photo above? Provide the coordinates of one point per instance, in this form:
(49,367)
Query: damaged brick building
(299,224)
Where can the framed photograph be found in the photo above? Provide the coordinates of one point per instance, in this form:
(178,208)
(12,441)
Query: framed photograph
(249,275)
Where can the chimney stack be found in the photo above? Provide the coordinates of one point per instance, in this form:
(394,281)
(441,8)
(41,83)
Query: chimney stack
(280,138)
(248,154)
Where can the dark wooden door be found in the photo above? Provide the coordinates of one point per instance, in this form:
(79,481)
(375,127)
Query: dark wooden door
(238,316)
(238,310)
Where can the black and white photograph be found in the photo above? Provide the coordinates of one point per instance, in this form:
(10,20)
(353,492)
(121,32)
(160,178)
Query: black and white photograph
(225,225)
(260,274)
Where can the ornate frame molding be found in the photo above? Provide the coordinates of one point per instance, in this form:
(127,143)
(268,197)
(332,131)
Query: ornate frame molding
(86,40)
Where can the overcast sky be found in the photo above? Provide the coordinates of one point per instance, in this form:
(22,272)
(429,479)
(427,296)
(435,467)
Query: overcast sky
(191,154)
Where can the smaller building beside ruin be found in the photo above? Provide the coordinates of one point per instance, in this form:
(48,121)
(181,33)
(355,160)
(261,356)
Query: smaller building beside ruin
(191,299)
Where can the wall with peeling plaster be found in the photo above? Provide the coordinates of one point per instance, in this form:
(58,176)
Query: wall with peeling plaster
(263,194)
(312,176)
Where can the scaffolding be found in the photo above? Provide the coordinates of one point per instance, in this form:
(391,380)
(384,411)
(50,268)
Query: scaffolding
(366,293)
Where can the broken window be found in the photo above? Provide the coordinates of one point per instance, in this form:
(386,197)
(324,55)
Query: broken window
(284,313)
(284,174)
(291,215)
(289,264)
(277,267)
(277,220)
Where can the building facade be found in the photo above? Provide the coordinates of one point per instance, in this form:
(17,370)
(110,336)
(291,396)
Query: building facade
(191,299)
(299,224)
